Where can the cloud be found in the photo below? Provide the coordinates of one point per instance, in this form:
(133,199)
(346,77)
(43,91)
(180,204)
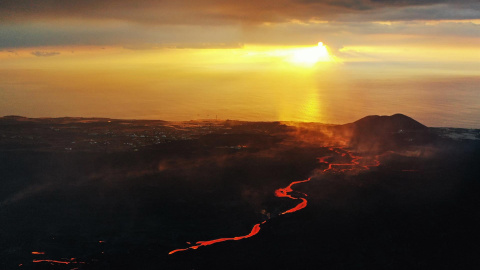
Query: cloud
(149,24)
(424,12)
(193,45)
(131,35)
(44,53)
(137,36)
(188,12)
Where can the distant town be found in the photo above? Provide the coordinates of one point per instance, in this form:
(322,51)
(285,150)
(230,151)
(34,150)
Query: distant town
(111,135)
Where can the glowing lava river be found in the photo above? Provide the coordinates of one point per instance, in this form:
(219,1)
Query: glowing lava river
(282,192)
(287,192)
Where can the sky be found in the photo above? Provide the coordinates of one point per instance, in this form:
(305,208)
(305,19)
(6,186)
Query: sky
(214,23)
(49,45)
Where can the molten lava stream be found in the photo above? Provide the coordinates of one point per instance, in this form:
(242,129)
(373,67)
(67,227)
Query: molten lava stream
(71,261)
(354,163)
(286,193)
(254,231)
(52,261)
(282,192)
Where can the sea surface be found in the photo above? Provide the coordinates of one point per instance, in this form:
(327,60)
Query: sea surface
(333,93)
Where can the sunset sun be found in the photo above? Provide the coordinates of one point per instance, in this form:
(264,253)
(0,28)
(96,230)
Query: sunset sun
(311,55)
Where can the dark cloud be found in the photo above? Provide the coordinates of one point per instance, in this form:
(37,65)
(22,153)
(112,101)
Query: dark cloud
(424,12)
(417,2)
(129,35)
(347,4)
(44,53)
(205,11)
(145,24)
(141,37)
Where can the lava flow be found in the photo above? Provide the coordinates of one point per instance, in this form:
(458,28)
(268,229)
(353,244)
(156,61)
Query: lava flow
(254,231)
(350,166)
(282,192)
(51,261)
(71,261)
(287,192)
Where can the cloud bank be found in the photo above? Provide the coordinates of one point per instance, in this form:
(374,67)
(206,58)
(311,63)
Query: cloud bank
(224,11)
(44,54)
(229,24)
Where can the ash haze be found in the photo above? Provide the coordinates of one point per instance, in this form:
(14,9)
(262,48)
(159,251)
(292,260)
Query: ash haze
(246,60)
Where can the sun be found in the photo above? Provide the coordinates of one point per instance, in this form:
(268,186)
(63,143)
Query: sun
(310,55)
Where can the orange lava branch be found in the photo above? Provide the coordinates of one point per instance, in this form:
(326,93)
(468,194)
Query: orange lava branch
(254,231)
(282,192)
(72,261)
(52,261)
(299,206)
(354,163)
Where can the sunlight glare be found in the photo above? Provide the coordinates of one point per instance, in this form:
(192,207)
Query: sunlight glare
(310,55)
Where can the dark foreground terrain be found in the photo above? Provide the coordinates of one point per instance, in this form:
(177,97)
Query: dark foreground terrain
(385,193)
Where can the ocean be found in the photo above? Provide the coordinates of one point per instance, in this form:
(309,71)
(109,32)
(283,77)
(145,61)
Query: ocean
(333,93)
